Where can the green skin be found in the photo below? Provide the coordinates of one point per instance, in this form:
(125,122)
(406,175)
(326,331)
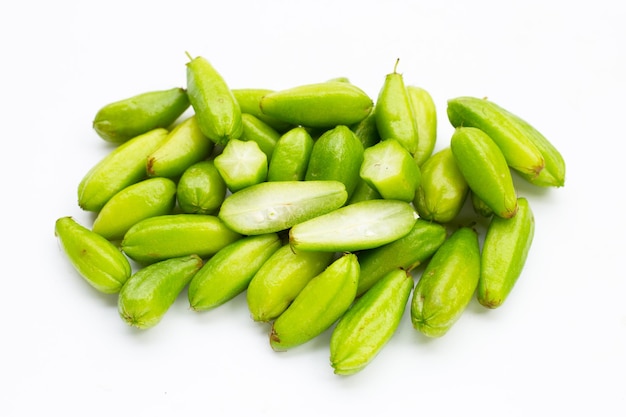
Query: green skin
(504,253)
(275,206)
(228,273)
(369,324)
(97,260)
(394,115)
(256,130)
(336,155)
(443,189)
(215,106)
(407,253)
(366,130)
(173,235)
(151,291)
(480,207)
(281,278)
(201,189)
(241,164)
(485,169)
(148,198)
(358,226)
(249,100)
(447,285)
(391,170)
(553,172)
(124,166)
(320,105)
(364,192)
(185,146)
(425,114)
(122,120)
(291,155)
(318,306)
(511,137)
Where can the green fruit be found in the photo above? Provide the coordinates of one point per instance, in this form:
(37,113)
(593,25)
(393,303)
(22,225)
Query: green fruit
(281,278)
(321,105)
(504,252)
(369,324)
(124,166)
(201,189)
(256,130)
(241,164)
(122,120)
(336,155)
(271,207)
(366,130)
(148,198)
(249,100)
(443,189)
(507,132)
(184,146)
(425,114)
(394,114)
(407,253)
(214,104)
(318,306)
(485,170)
(291,155)
(97,260)
(151,291)
(391,170)
(363,225)
(447,285)
(228,273)
(174,235)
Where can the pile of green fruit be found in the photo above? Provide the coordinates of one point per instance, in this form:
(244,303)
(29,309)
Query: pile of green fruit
(316,201)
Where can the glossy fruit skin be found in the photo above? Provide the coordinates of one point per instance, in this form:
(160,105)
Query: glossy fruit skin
(394,115)
(215,106)
(228,273)
(256,130)
(359,226)
(201,189)
(150,292)
(291,155)
(124,166)
(363,192)
(185,146)
(281,278)
(148,198)
(336,155)
(504,253)
(447,284)
(174,235)
(318,306)
(366,130)
(122,120)
(485,170)
(553,172)
(249,100)
(407,253)
(98,261)
(506,131)
(275,206)
(320,105)
(442,190)
(370,323)
(425,114)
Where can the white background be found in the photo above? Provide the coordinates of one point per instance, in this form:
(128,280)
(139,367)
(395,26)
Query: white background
(558,345)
